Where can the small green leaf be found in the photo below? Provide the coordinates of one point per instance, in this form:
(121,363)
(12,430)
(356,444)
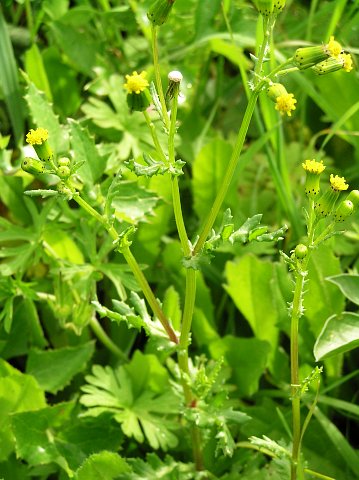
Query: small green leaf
(348,284)
(102,466)
(54,369)
(340,334)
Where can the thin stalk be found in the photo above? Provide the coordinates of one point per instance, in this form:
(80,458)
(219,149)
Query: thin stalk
(154,136)
(229,172)
(106,340)
(294,372)
(131,261)
(158,75)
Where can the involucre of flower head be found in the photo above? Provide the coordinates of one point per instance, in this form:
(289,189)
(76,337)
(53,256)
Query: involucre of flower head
(32,165)
(353,196)
(344,210)
(343,61)
(285,102)
(159,11)
(313,171)
(326,203)
(306,57)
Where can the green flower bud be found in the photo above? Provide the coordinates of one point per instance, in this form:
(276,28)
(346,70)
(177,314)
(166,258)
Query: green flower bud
(265,7)
(159,11)
(354,198)
(63,172)
(301,251)
(329,65)
(344,210)
(32,165)
(63,162)
(308,56)
(276,90)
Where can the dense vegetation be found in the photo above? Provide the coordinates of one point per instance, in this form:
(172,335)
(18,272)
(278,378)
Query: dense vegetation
(179,193)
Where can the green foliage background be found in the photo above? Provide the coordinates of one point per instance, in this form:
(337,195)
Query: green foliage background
(72,406)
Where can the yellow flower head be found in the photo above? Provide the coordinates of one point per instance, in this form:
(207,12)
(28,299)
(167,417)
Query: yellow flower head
(347,62)
(136,83)
(312,166)
(333,48)
(338,183)
(37,137)
(285,103)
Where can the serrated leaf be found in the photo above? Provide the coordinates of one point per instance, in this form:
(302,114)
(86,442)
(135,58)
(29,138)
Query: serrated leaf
(340,334)
(41,193)
(54,369)
(348,284)
(18,393)
(35,435)
(132,203)
(85,151)
(43,116)
(102,466)
(160,469)
(151,167)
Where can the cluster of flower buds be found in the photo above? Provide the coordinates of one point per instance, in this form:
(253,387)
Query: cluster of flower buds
(327,204)
(45,162)
(323,59)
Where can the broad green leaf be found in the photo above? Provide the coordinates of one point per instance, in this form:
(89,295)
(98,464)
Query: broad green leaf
(9,81)
(321,299)
(102,466)
(348,284)
(12,195)
(85,150)
(35,435)
(34,67)
(133,203)
(340,334)
(54,369)
(248,358)
(251,284)
(63,245)
(208,170)
(43,116)
(18,393)
(172,307)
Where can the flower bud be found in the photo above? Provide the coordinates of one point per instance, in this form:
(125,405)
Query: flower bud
(63,162)
(159,11)
(138,102)
(329,65)
(32,165)
(285,102)
(309,56)
(312,183)
(38,139)
(278,6)
(344,210)
(301,251)
(354,198)
(63,172)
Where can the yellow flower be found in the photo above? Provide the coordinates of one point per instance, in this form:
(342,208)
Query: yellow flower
(347,62)
(136,83)
(285,103)
(333,48)
(37,137)
(338,183)
(312,166)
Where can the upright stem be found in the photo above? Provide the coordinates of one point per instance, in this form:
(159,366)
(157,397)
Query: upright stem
(229,172)
(158,75)
(106,340)
(131,261)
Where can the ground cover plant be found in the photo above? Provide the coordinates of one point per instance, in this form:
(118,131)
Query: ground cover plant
(179,197)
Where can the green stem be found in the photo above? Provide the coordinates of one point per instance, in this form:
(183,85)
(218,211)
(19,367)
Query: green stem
(130,259)
(229,172)
(294,369)
(106,340)
(158,75)
(154,136)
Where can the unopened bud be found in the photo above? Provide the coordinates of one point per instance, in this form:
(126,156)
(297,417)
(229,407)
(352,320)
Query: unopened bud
(32,165)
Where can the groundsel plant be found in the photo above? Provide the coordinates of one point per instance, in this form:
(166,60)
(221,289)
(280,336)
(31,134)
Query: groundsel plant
(156,102)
